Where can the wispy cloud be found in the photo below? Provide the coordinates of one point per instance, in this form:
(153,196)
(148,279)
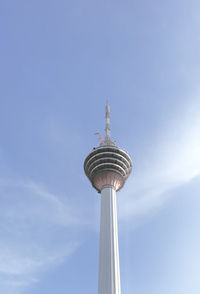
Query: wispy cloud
(18,271)
(35,198)
(174,161)
(30,218)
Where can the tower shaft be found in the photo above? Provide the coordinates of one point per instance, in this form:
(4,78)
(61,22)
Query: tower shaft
(109,273)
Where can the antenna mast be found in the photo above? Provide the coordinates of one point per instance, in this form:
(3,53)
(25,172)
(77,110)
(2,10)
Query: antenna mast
(107,129)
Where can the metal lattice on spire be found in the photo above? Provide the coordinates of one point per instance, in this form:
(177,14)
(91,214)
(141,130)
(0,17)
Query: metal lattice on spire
(107,129)
(107,140)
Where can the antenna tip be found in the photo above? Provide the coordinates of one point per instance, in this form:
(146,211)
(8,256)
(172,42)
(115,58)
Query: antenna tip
(107,107)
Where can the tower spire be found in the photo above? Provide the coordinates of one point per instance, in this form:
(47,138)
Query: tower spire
(107,129)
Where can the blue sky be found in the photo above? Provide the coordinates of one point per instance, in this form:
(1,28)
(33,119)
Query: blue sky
(60,62)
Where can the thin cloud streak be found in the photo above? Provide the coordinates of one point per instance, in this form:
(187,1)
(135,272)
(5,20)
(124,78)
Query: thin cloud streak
(58,211)
(19,272)
(28,225)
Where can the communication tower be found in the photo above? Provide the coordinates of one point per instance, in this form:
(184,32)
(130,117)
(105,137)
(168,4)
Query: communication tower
(107,168)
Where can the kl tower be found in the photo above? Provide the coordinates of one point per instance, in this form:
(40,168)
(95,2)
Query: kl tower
(107,168)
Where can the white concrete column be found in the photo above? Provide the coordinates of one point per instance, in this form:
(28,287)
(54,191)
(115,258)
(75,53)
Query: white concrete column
(109,273)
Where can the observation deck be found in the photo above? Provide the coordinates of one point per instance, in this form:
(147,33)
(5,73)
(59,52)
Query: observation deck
(108,165)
